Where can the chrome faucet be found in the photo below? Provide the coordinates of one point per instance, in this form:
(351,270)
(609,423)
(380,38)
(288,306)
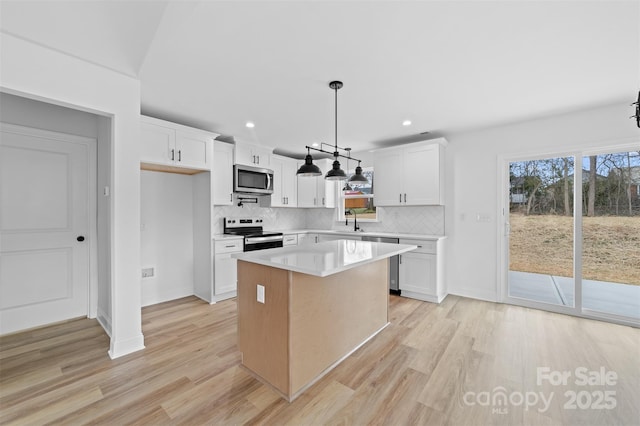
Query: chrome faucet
(355,220)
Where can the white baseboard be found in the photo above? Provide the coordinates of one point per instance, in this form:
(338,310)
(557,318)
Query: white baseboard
(474,293)
(125,347)
(104,321)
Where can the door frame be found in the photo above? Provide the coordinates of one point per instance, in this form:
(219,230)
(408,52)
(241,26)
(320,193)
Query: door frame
(619,145)
(92,201)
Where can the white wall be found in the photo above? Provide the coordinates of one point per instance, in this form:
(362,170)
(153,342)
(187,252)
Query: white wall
(473,169)
(30,70)
(166,228)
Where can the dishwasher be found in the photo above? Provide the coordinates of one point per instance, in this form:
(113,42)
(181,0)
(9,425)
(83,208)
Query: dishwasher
(394,263)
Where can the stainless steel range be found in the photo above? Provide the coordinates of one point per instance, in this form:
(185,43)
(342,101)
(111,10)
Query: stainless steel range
(254,237)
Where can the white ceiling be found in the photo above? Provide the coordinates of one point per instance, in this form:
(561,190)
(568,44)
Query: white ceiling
(448,66)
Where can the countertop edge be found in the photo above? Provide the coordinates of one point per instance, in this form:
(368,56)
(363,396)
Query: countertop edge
(246,256)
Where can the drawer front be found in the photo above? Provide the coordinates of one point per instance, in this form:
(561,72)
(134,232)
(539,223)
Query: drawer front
(229,246)
(424,246)
(290,240)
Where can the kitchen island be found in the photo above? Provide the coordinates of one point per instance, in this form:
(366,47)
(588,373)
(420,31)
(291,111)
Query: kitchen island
(303,309)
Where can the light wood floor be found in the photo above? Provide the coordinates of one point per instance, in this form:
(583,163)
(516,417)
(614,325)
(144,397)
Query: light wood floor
(428,367)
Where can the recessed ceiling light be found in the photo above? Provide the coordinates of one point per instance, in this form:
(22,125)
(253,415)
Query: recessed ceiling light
(250,125)
(406,123)
(314,144)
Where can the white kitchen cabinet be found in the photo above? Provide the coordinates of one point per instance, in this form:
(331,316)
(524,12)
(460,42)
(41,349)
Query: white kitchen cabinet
(308,238)
(410,175)
(168,146)
(285,188)
(316,191)
(252,155)
(222,173)
(225,282)
(421,274)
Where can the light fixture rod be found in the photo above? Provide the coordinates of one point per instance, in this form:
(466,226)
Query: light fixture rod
(332,153)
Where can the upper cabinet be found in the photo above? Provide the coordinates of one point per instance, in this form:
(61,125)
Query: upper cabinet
(252,155)
(317,191)
(222,173)
(410,175)
(285,188)
(172,147)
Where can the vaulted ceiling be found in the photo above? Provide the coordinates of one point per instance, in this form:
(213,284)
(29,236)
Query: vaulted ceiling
(448,66)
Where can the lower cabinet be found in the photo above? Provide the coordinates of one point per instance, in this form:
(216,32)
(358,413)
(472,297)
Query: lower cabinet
(225,281)
(307,239)
(421,271)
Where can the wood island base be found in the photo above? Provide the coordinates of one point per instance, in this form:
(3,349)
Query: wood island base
(307,324)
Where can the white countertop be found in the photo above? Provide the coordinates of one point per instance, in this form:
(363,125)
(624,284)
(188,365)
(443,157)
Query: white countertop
(325,258)
(363,234)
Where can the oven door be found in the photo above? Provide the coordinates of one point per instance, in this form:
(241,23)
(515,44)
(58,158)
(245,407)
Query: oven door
(252,180)
(261,243)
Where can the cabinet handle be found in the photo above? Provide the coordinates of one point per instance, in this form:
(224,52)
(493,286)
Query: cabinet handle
(419,246)
(253,159)
(323,201)
(400,200)
(173,154)
(231,197)
(231,246)
(179,155)
(258,159)
(400,259)
(405,197)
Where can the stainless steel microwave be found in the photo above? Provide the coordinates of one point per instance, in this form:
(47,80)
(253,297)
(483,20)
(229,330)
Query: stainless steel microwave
(252,180)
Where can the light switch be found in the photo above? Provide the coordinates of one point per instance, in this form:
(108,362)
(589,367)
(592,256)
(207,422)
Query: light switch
(260,293)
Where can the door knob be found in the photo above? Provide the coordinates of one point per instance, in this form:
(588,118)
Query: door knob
(80,238)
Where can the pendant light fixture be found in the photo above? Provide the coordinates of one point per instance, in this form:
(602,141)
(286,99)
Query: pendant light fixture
(336,173)
(358,178)
(308,168)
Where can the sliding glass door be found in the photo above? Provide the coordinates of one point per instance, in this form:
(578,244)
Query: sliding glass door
(540,238)
(611,234)
(572,234)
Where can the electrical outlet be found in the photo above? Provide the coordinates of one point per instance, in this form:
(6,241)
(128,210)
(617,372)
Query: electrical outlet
(147,272)
(260,293)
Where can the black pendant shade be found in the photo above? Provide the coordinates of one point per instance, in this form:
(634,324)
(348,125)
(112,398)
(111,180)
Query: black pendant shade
(336,173)
(308,168)
(358,177)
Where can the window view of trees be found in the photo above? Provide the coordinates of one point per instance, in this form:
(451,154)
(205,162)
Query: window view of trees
(610,182)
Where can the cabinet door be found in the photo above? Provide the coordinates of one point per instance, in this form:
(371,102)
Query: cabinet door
(306,239)
(421,175)
(193,150)
(418,273)
(307,191)
(243,154)
(325,189)
(158,144)
(261,156)
(277,198)
(222,174)
(388,178)
(226,274)
(289,183)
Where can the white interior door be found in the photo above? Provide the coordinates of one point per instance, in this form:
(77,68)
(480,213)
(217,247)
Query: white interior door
(44,247)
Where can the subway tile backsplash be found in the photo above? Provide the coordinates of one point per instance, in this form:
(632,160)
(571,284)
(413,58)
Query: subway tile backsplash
(410,220)
(407,220)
